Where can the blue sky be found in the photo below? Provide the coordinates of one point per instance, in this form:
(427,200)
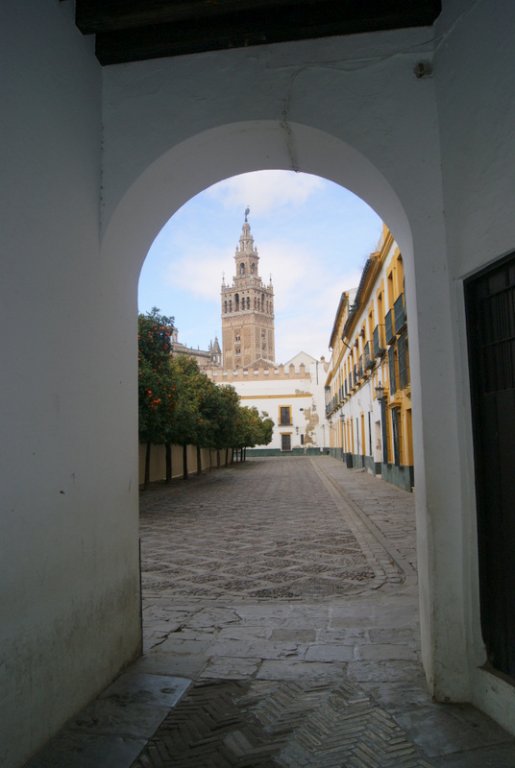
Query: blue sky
(312,235)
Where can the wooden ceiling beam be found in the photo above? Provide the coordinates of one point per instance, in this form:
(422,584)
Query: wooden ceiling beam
(93,16)
(132,30)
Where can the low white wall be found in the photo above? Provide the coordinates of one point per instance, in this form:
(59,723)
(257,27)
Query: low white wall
(158,465)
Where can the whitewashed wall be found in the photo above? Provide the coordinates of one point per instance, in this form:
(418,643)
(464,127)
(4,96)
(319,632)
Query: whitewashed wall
(304,397)
(69,589)
(475,82)
(353,111)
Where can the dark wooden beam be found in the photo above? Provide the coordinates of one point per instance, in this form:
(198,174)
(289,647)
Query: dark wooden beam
(94,16)
(208,25)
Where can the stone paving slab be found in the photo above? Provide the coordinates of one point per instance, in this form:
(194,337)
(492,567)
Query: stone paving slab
(284,593)
(113,729)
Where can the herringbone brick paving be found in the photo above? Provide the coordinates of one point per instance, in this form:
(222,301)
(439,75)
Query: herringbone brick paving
(252,723)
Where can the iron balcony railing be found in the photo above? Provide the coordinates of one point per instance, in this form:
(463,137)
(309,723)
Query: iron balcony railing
(391,370)
(379,345)
(368,357)
(403,357)
(389,327)
(399,310)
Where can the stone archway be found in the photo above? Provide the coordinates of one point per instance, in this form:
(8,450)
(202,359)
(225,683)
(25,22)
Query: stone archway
(210,156)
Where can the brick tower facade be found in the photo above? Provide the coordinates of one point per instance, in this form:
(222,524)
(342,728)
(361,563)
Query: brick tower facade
(247,309)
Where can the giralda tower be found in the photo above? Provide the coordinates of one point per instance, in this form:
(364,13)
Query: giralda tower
(247,309)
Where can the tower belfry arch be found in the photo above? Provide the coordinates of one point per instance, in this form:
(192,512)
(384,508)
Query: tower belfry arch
(248,332)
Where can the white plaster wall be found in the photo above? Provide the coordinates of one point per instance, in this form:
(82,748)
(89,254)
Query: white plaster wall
(268,395)
(350,110)
(475,82)
(362,402)
(68,537)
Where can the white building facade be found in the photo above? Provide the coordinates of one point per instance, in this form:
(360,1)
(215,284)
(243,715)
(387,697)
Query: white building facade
(292,395)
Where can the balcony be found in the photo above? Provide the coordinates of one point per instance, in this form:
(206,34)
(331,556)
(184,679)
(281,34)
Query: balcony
(389,327)
(368,360)
(379,345)
(404,372)
(399,310)
(392,371)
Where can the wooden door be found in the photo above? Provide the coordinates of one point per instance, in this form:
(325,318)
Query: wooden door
(490,307)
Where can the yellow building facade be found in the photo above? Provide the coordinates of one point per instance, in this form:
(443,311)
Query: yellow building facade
(368,390)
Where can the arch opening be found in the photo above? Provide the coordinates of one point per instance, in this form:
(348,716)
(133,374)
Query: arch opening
(130,226)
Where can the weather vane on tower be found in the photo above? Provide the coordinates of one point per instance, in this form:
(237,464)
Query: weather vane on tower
(247,211)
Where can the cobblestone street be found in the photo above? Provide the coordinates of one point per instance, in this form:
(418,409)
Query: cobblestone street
(280,629)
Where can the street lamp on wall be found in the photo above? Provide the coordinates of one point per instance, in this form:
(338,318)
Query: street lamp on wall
(380,392)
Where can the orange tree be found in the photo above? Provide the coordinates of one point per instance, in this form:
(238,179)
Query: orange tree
(188,424)
(219,412)
(156,389)
(252,429)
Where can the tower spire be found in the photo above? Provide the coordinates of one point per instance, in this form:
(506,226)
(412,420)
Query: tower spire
(247,308)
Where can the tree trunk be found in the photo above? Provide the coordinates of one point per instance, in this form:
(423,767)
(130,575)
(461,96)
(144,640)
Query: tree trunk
(168,462)
(218,458)
(146,479)
(226,456)
(199,460)
(245,453)
(184,462)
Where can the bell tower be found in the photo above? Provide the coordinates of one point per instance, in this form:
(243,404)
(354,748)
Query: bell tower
(247,309)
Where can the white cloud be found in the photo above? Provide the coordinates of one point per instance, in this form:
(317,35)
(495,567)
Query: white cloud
(306,324)
(198,275)
(263,191)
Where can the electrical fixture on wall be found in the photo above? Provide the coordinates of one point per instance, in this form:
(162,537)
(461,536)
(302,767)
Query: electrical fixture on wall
(423,69)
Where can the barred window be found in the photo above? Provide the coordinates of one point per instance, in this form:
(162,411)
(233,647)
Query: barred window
(391,369)
(404,377)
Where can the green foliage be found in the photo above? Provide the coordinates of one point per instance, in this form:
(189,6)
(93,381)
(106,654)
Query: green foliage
(223,409)
(156,390)
(253,429)
(186,427)
(155,339)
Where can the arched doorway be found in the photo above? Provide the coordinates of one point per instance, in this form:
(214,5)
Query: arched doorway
(209,156)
